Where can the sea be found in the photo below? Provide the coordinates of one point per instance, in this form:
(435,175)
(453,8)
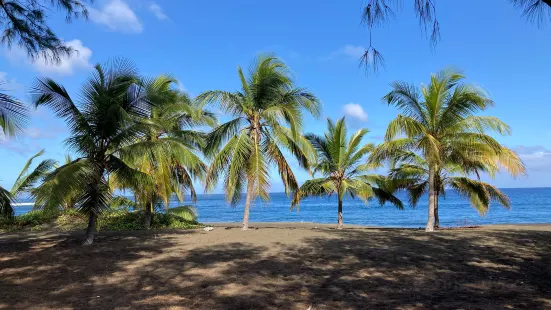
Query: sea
(528,206)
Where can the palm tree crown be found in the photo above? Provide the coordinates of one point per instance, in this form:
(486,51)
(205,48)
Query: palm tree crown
(267,119)
(342,162)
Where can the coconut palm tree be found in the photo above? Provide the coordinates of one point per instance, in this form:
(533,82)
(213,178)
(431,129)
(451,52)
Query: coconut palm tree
(342,162)
(103,122)
(438,120)
(168,152)
(411,172)
(267,119)
(25,183)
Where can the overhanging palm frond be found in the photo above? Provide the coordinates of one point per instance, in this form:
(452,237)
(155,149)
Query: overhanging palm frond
(13,115)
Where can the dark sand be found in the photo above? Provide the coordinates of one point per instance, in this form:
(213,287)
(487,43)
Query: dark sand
(285,266)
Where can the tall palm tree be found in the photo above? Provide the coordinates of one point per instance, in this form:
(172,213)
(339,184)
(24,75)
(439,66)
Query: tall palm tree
(438,120)
(25,183)
(169,150)
(253,140)
(411,172)
(103,122)
(344,168)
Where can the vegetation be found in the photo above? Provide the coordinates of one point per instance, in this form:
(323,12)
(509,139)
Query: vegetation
(68,220)
(24,23)
(438,123)
(24,183)
(342,163)
(169,150)
(243,148)
(102,124)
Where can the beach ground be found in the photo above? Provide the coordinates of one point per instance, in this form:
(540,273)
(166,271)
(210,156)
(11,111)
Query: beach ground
(285,266)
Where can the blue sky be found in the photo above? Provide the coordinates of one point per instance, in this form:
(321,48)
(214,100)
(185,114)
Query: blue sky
(202,42)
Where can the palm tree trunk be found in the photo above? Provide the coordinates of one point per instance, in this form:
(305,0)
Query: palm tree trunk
(436,217)
(250,188)
(148,216)
(340,224)
(91,230)
(432,199)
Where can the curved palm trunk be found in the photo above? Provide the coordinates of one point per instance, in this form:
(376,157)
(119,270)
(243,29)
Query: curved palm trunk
(340,224)
(432,199)
(91,230)
(250,188)
(436,217)
(148,217)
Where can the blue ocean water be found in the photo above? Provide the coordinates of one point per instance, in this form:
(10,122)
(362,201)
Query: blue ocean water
(529,205)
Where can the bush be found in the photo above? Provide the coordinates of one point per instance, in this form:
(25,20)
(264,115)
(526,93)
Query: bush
(108,221)
(188,213)
(34,219)
(71,220)
(171,220)
(121,220)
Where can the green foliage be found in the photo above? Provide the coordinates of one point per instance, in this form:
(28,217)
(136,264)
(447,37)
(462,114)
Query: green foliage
(120,220)
(104,121)
(267,115)
(31,219)
(69,220)
(437,141)
(342,165)
(25,25)
(188,213)
(25,183)
(170,220)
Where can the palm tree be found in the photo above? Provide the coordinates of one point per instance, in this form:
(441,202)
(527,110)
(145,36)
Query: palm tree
(344,168)
(411,173)
(102,124)
(168,152)
(24,184)
(253,140)
(438,122)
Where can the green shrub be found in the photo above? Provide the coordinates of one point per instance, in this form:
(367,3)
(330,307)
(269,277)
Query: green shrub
(171,220)
(121,220)
(188,213)
(108,221)
(71,220)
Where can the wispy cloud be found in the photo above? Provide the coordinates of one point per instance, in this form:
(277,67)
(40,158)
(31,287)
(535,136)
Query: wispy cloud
(80,59)
(158,11)
(8,84)
(117,16)
(355,111)
(537,158)
(348,51)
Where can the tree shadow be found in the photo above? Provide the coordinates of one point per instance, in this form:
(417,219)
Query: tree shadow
(354,269)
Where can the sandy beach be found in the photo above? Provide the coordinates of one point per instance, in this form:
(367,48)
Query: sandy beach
(280,266)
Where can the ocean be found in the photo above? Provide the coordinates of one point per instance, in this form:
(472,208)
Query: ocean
(528,205)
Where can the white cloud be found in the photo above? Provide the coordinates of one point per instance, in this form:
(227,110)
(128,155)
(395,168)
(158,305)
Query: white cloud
(536,158)
(349,50)
(117,16)
(9,84)
(356,111)
(158,11)
(79,59)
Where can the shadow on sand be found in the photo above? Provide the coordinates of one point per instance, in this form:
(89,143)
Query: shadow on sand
(355,269)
